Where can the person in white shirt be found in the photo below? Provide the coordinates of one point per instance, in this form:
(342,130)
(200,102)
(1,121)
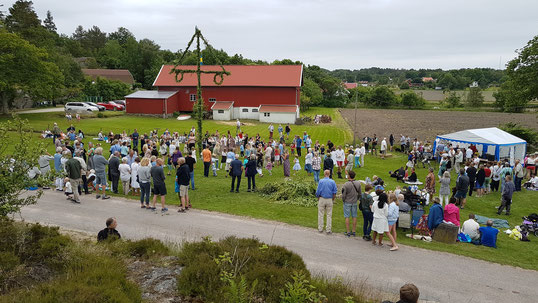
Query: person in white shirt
(468,153)
(383,148)
(534,181)
(470,228)
(125,175)
(357,154)
(362,152)
(340,157)
(458,159)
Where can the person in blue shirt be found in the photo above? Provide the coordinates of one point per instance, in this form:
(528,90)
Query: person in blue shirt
(326,193)
(59,182)
(488,235)
(435,217)
(298,143)
(134,138)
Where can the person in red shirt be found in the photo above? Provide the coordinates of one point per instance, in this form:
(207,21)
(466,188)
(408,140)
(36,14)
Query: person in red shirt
(487,183)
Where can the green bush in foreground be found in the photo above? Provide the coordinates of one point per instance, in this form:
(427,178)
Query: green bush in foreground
(247,270)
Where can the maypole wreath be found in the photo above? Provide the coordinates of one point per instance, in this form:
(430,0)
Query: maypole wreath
(179,73)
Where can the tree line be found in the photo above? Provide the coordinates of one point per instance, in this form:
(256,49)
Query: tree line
(38,61)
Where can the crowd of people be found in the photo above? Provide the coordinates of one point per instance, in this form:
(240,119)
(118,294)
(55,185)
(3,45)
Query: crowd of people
(142,162)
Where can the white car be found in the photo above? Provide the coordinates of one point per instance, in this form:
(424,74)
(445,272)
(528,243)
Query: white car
(80,107)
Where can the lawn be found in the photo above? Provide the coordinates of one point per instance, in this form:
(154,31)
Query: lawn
(213,193)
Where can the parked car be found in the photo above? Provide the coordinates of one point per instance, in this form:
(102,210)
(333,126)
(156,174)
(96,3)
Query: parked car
(120,102)
(80,107)
(111,106)
(100,107)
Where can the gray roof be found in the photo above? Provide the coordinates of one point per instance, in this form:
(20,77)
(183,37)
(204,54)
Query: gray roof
(151,94)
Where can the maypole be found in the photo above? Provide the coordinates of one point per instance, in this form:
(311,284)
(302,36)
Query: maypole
(198,107)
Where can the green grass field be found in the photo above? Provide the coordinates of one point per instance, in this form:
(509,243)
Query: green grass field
(213,193)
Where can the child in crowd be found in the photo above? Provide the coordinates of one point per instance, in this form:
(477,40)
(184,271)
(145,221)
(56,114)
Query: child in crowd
(296,166)
(214,166)
(292,147)
(277,156)
(269,167)
(68,189)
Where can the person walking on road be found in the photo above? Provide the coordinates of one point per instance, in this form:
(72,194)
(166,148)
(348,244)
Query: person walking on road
(159,187)
(72,168)
(183,178)
(351,191)
(326,193)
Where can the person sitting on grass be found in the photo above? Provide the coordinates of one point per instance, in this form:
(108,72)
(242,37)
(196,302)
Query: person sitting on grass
(399,174)
(110,231)
(412,178)
(435,217)
(471,227)
(488,235)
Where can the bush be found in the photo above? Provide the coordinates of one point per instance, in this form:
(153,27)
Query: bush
(100,115)
(292,192)
(144,248)
(213,269)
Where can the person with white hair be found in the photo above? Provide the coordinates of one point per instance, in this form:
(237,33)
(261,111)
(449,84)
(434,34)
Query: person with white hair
(125,175)
(100,163)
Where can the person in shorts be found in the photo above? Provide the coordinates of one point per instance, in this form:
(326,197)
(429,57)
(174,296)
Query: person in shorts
(351,191)
(159,187)
(100,163)
(183,178)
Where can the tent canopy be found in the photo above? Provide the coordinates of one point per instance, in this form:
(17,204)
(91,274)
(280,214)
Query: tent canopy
(488,141)
(490,135)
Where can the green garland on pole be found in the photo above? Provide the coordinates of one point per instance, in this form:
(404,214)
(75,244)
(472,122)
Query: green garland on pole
(199,105)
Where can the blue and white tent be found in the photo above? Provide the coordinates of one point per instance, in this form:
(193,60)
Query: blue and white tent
(488,141)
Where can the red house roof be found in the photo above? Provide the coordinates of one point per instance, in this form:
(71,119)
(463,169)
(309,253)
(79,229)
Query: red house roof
(241,75)
(350,85)
(222,105)
(264,108)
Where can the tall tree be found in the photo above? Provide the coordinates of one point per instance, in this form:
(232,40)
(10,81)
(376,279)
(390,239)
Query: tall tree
(25,69)
(121,35)
(21,17)
(474,97)
(49,22)
(521,85)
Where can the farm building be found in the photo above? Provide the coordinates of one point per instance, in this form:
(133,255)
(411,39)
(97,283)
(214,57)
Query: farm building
(269,93)
(122,75)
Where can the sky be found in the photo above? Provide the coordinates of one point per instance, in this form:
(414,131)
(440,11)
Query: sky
(337,34)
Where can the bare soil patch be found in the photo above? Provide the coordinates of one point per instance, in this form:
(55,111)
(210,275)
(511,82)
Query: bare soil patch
(427,124)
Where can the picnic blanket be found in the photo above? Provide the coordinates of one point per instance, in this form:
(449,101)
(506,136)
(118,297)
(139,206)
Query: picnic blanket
(498,223)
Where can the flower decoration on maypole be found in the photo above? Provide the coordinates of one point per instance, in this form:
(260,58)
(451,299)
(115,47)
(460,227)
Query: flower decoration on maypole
(218,77)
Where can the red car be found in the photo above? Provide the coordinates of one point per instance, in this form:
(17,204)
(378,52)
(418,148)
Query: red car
(111,106)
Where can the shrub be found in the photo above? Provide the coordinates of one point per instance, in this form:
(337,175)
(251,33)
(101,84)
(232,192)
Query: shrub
(100,115)
(518,130)
(292,192)
(236,268)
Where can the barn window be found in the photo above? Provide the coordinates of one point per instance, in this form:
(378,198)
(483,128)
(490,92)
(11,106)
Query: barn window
(267,114)
(212,99)
(220,111)
(192,97)
(245,110)
(254,110)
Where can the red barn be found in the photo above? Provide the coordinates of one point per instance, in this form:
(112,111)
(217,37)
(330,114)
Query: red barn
(240,96)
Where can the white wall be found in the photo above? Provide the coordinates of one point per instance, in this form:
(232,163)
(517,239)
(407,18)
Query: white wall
(278,118)
(225,116)
(249,114)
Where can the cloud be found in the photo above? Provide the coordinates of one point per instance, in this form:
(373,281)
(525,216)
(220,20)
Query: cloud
(332,34)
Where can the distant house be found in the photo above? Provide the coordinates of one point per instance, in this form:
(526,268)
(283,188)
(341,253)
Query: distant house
(474,84)
(350,85)
(122,75)
(428,79)
(364,83)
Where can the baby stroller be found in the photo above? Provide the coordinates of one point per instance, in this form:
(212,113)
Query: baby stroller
(530,224)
